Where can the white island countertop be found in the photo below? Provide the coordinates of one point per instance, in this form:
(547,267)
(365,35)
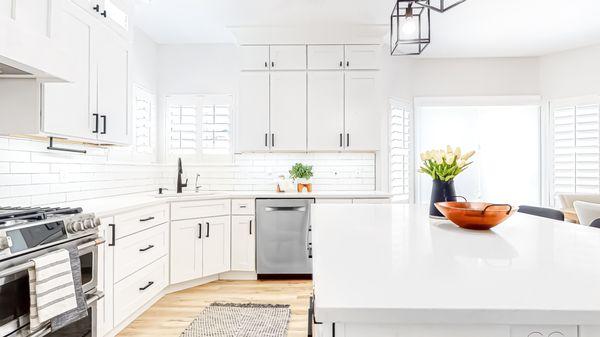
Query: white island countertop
(392,264)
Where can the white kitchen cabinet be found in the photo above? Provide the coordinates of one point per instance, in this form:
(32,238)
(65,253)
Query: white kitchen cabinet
(105,318)
(112,13)
(216,253)
(365,57)
(113,87)
(67,107)
(243,243)
(254,57)
(362,112)
(253,133)
(288,57)
(325,111)
(33,14)
(6,9)
(186,250)
(325,57)
(288,111)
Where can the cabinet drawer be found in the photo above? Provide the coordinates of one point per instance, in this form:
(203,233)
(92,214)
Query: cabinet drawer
(140,249)
(144,218)
(200,209)
(138,289)
(242,206)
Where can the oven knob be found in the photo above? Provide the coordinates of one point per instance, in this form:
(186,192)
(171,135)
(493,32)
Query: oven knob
(70,226)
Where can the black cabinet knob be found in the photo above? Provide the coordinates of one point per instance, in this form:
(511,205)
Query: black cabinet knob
(103,13)
(96,8)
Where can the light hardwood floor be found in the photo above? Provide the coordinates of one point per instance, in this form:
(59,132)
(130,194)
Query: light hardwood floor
(172,313)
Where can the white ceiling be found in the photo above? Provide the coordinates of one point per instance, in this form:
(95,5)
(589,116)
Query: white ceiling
(476,28)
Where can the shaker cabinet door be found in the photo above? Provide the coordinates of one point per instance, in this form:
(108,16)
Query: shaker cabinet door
(243,243)
(186,250)
(216,245)
(325,111)
(362,115)
(253,130)
(288,111)
(255,57)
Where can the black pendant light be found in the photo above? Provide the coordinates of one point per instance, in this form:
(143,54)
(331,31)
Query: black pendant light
(440,5)
(410,28)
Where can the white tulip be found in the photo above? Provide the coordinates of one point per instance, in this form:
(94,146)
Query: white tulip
(449,158)
(438,157)
(449,149)
(425,156)
(457,152)
(468,155)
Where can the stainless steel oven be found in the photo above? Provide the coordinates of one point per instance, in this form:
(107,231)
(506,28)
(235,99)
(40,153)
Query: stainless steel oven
(85,327)
(14,286)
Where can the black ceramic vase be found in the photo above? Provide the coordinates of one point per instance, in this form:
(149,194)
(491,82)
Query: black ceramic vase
(441,191)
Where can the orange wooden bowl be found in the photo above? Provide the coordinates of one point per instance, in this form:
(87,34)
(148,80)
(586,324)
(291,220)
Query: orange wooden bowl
(475,215)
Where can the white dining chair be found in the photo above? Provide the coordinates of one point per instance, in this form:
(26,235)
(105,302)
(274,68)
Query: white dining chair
(586,211)
(566,200)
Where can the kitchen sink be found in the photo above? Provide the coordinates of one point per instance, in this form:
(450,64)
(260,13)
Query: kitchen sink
(169,194)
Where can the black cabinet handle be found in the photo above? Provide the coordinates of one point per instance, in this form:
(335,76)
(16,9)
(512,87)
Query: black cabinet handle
(250,227)
(147,248)
(96,121)
(347,63)
(147,219)
(96,8)
(103,13)
(266,64)
(272,140)
(341,64)
(200,230)
(112,235)
(347,139)
(147,285)
(207,229)
(341,140)
(103,124)
(266,139)
(272,64)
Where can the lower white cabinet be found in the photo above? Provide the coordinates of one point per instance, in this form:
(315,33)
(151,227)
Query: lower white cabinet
(134,291)
(136,251)
(105,318)
(200,247)
(186,250)
(243,243)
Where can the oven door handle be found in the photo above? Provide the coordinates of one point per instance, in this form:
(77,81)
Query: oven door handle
(94,298)
(42,332)
(22,267)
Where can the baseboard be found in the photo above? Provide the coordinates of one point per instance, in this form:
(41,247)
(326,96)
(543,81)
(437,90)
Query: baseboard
(190,284)
(238,276)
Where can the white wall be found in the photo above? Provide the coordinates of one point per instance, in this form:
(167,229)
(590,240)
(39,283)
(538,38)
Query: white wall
(144,61)
(571,73)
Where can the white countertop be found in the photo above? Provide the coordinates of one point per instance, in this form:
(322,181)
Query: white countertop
(112,205)
(391,264)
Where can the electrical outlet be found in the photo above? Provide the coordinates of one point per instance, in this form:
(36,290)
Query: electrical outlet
(543,331)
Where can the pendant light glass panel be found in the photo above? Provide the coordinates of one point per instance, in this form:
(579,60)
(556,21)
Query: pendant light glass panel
(439,5)
(410,28)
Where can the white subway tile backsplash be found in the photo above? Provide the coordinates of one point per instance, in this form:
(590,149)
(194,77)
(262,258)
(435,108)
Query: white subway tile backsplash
(32,175)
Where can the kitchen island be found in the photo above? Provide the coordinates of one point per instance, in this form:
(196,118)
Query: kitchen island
(388,270)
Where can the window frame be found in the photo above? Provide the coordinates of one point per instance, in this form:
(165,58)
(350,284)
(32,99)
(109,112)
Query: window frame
(199,156)
(407,107)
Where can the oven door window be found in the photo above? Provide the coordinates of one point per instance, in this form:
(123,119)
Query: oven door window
(14,303)
(87,267)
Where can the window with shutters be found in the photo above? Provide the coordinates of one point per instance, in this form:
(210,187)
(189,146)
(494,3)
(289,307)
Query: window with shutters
(399,148)
(576,146)
(144,114)
(199,126)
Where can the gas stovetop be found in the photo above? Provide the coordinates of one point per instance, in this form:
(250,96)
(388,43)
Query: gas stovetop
(27,229)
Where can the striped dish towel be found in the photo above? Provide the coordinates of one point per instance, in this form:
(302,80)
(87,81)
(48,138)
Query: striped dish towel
(51,288)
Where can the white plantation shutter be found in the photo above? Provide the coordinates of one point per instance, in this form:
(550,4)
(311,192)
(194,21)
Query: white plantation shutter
(144,106)
(399,147)
(576,147)
(199,125)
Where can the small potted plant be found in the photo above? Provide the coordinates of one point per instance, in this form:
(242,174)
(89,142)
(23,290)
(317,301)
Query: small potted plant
(301,174)
(443,166)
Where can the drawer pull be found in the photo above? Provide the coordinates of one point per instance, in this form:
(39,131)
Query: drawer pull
(200,231)
(207,229)
(147,219)
(243,206)
(250,227)
(147,285)
(147,248)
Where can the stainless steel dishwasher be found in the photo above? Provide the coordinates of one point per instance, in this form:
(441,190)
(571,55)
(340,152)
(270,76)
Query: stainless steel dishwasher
(283,238)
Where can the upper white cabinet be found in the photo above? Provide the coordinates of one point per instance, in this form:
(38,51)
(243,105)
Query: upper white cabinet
(67,107)
(112,120)
(288,111)
(288,57)
(253,130)
(325,57)
(365,57)
(279,57)
(113,13)
(362,112)
(255,57)
(325,110)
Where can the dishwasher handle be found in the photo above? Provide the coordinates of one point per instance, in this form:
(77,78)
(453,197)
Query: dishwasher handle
(285,209)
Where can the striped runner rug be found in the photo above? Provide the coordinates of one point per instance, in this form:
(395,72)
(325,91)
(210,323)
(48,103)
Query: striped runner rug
(240,320)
